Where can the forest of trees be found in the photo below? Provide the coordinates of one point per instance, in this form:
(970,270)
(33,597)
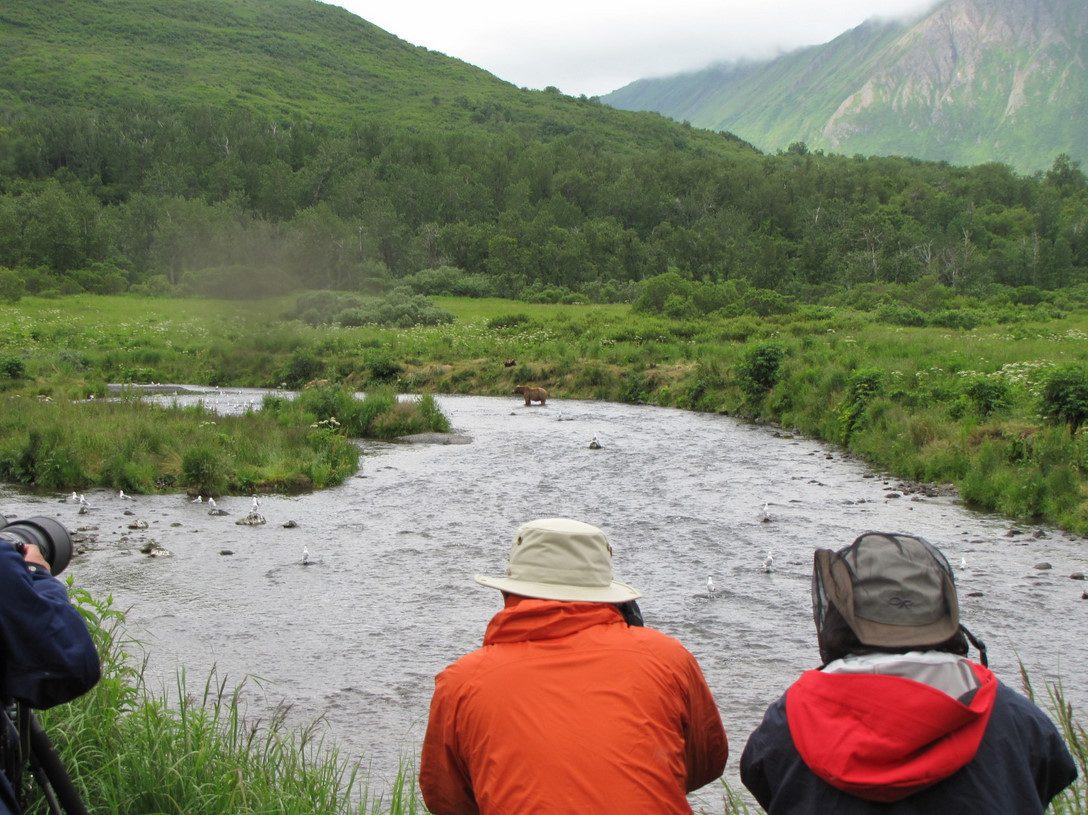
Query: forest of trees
(500,192)
(230,203)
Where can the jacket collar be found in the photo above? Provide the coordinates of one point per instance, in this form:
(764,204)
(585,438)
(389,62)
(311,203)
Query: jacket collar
(526,619)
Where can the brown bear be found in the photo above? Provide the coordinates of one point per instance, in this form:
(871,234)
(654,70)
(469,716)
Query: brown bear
(532,394)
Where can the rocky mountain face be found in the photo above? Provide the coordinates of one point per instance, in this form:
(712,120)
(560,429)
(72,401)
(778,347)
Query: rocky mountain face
(972,81)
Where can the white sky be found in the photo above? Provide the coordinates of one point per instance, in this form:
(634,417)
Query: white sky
(592,47)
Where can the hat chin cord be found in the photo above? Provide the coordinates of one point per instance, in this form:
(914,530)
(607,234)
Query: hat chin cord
(979,644)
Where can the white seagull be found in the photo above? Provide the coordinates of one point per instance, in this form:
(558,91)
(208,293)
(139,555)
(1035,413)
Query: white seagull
(197,500)
(768,562)
(710,585)
(211,501)
(766,512)
(256,503)
(963,563)
(305,555)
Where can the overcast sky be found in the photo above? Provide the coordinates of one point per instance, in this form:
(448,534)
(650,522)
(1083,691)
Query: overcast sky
(592,47)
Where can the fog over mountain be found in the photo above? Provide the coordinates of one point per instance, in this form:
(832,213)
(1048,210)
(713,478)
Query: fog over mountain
(970,82)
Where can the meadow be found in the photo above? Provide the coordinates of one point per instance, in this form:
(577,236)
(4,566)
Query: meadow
(996,410)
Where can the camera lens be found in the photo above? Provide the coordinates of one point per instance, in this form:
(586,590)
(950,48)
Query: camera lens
(51,538)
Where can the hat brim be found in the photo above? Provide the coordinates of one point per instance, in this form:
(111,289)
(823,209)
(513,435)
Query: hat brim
(615,592)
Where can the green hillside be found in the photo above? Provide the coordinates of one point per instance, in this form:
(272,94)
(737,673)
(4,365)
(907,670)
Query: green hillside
(234,148)
(973,81)
(281,59)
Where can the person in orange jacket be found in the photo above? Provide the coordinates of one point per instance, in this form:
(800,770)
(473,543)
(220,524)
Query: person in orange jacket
(569,707)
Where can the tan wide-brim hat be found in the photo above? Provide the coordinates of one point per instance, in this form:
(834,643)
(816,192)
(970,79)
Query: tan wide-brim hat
(561,559)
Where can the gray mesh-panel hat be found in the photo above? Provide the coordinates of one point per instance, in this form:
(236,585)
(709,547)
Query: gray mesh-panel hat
(561,559)
(894,591)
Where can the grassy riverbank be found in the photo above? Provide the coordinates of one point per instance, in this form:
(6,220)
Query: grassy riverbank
(968,406)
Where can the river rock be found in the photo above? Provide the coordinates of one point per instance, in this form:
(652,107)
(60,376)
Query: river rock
(155,549)
(1077,576)
(1043,566)
(138,525)
(290,525)
(252,519)
(217,512)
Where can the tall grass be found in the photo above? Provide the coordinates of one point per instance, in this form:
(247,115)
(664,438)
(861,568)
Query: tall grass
(1074,800)
(130,752)
(292,446)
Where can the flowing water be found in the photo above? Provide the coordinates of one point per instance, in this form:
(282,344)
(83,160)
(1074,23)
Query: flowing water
(388,598)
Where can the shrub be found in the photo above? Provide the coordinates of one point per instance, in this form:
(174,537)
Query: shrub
(383,369)
(759,370)
(989,395)
(862,386)
(1065,396)
(12,368)
(303,367)
(203,470)
(12,287)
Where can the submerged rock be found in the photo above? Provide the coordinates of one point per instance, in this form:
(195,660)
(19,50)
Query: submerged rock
(252,519)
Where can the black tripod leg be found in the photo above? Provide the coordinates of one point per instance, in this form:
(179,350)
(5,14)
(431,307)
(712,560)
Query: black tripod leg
(44,758)
(43,784)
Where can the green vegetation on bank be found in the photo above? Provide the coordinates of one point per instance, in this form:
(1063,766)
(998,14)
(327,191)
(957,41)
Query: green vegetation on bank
(61,429)
(998,409)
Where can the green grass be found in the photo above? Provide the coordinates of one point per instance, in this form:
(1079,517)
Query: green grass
(926,403)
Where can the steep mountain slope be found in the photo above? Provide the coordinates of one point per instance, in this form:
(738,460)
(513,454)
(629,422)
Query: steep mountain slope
(973,81)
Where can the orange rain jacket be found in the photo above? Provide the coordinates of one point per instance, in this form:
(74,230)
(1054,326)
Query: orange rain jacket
(566,709)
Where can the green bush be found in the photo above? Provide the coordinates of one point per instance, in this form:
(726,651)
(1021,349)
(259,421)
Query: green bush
(760,368)
(12,368)
(1065,396)
(383,369)
(862,386)
(988,395)
(203,471)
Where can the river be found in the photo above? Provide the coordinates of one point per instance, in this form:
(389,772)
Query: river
(388,598)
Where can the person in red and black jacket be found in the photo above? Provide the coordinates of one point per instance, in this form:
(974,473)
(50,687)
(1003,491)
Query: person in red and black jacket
(898,720)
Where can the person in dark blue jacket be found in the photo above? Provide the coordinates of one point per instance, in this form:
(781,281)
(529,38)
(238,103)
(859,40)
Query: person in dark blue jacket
(47,656)
(898,721)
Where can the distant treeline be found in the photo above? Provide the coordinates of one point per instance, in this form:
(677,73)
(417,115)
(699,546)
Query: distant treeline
(227,202)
